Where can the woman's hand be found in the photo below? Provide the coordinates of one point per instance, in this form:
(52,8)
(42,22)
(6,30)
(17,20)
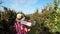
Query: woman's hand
(29,29)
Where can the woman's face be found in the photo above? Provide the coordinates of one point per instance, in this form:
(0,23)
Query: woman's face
(19,16)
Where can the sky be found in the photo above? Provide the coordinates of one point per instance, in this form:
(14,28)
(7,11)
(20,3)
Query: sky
(26,6)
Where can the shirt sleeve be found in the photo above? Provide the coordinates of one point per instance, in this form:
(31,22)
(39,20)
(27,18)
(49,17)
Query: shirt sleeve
(26,30)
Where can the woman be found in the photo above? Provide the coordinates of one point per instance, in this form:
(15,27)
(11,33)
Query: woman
(21,23)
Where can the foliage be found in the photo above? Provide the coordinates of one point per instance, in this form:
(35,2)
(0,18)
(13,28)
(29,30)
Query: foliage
(47,22)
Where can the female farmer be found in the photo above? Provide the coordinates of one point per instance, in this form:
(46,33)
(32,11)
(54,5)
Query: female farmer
(21,23)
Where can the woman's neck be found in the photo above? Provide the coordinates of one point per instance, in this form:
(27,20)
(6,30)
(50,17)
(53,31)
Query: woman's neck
(18,20)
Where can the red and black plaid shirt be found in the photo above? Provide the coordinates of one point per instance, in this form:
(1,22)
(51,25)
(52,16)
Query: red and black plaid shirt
(20,28)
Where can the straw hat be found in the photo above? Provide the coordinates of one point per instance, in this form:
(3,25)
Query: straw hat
(19,16)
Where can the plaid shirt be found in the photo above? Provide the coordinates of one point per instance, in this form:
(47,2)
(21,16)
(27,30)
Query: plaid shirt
(20,28)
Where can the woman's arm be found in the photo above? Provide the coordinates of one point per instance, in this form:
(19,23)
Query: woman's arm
(28,23)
